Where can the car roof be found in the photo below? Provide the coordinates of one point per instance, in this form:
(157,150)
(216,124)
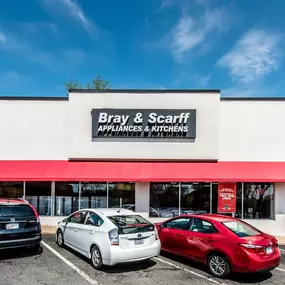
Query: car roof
(13,201)
(112,211)
(212,217)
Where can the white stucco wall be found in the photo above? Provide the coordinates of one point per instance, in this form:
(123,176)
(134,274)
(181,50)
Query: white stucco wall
(226,130)
(207,128)
(33,129)
(252,131)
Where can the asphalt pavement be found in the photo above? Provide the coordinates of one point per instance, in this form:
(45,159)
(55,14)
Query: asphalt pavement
(54,265)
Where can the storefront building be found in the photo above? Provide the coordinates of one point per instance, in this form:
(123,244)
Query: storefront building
(161,153)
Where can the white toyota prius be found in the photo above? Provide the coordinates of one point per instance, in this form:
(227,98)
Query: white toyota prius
(109,236)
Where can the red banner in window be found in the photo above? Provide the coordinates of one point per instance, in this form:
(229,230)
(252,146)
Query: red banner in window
(227,197)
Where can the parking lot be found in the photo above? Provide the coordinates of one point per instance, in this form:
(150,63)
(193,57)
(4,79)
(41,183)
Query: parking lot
(53,265)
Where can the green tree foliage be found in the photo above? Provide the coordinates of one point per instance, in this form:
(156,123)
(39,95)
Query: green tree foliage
(97,83)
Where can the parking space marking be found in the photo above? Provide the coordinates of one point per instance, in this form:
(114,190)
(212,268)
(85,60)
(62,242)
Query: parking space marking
(282,249)
(187,270)
(280,269)
(79,271)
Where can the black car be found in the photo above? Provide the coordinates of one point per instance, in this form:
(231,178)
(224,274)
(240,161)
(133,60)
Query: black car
(19,224)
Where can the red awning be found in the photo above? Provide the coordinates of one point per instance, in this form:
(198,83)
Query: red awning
(142,171)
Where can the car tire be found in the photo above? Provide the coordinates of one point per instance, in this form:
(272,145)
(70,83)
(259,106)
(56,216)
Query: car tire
(218,265)
(96,258)
(59,238)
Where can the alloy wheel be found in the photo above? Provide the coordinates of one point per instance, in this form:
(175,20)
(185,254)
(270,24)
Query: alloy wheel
(96,258)
(60,239)
(219,266)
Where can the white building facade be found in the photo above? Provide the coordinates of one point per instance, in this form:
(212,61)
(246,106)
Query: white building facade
(159,152)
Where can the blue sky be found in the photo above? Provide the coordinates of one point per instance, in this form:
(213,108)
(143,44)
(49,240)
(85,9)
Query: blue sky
(235,46)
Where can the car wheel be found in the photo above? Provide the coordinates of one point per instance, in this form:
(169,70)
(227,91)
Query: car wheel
(218,265)
(59,238)
(96,258)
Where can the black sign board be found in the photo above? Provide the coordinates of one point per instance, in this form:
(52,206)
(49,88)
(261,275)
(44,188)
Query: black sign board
(144,123)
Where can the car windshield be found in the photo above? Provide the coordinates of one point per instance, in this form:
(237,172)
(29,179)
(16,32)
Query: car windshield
(241,229)
(16,211)
(131,223)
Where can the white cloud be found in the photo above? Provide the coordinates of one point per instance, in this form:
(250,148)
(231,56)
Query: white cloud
(64,60)
(2,38)
(72,9)
(193,33)
(255,55)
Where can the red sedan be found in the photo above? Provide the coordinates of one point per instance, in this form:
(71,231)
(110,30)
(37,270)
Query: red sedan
(223,243)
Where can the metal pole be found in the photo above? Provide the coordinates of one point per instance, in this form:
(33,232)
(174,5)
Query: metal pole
(79,195)
(179,199)
(52,198)
(242,198)
(211,198)
(107,195)
(24,189)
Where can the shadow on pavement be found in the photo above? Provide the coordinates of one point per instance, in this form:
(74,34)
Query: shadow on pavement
(239,278)
(7,254)
(119,268)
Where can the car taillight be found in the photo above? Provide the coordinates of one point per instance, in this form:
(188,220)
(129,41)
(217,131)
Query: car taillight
(114,237)
(156,234)
(252,247)
(36,213)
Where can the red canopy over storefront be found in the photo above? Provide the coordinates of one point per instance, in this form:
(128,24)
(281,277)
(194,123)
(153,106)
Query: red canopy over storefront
(142,171)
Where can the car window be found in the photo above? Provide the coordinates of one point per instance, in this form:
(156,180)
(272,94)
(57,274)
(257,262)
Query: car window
(202,226)
(131,224)
(92,219)
(78,217)
(16,211)
(179,223)
(241,229)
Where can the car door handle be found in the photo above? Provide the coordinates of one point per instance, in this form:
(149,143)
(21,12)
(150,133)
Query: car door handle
(179,235)
(76,230)
(91,232)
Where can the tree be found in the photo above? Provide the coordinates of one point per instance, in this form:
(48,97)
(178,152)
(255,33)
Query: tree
(97,83)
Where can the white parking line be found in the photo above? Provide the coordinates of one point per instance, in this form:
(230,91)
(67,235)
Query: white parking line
(280,269)
(187,270)
(282,249)
(79,271)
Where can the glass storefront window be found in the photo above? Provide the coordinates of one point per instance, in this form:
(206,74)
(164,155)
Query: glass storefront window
(121,194)
(164,200)
(11,189)
(66,198)
(215,200)
(93,195)
(39,195)
(258,201)
(195,198)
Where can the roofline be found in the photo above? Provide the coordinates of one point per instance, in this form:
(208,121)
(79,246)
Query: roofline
(252,98)
(32,98)
(144,91)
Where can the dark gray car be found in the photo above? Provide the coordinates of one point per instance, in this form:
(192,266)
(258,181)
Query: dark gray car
(19,224)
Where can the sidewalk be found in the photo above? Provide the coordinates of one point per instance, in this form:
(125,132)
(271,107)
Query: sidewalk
(52,230)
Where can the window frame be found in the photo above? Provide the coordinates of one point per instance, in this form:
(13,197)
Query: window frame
(243,202)
(189,223)
(203,220)
(76,213)
(88,214)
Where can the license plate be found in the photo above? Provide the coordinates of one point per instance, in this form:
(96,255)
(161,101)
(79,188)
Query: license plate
(12,226)
(269,250)
(138,241)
